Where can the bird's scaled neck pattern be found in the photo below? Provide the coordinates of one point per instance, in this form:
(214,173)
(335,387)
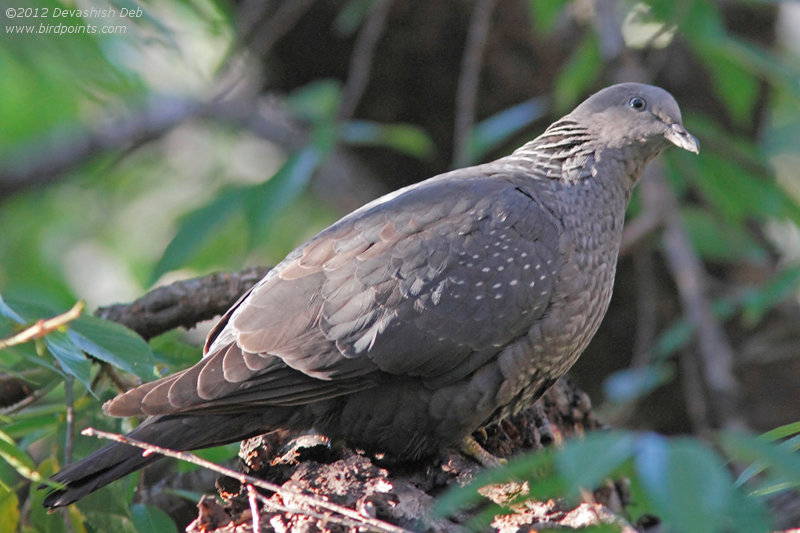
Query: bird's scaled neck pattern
(563,152)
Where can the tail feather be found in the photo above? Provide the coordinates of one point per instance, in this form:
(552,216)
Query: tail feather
(174,432)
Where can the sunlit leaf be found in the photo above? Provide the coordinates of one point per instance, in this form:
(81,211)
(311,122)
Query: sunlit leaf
(114,344)
(9,509)
(17,458)
(781,432)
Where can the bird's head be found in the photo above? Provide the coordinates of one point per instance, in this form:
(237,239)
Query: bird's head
(636,115)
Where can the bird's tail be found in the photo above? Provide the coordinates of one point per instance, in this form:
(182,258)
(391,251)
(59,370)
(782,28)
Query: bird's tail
(174,432)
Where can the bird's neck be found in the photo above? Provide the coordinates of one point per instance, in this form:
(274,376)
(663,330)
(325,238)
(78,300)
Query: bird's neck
(563,152)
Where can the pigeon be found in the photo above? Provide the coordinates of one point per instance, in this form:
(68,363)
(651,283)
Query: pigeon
(424,315)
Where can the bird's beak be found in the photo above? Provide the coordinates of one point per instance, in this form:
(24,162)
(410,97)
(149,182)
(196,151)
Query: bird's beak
(677,135)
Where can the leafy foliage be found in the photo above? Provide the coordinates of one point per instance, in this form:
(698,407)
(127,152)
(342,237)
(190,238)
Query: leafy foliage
(683,481)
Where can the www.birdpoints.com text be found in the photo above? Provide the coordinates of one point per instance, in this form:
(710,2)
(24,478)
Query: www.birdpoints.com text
(68,21)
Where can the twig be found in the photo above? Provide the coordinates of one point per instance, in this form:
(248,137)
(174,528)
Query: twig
(466,93)
(646,307)
(183,303)
(252,498)
(69,400)
(45,160)
(714,350)
(120,383)
(271,31)
(69,438)
(695,398)
(244,479)
(640,228)
(361,59)
(32,398)
(606,21)
(43,327)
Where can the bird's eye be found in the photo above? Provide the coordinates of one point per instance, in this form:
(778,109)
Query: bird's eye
(638,103)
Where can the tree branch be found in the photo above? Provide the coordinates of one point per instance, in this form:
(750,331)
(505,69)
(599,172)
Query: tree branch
(45,160)
(714,349)
(183,303)
(270,30)
(42,162)
(467,91)
(361,60)
(351,517)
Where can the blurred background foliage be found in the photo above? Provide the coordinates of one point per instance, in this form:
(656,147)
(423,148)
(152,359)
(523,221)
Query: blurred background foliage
(201,135)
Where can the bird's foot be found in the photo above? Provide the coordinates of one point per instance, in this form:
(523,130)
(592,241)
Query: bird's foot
(471,448)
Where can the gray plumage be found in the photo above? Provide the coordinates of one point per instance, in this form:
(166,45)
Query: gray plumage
(425,314)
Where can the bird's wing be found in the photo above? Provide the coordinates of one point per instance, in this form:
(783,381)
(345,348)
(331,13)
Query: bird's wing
(430,284)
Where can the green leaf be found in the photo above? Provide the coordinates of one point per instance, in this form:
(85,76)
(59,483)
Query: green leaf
(686,482)
(71,358)
(733,177)
(317,101)
(103,521)
(721,241)
(491,132)
(781,460)
(172,349)
(32,424)
(267,200)
(114,344)
(40,518)
(584,463)
(350,17)
(151,519)
(6,311)
(643,29)
(9,509)
(17,458)
(781,432)
(198,226)
(544,14)
(737,88)
(404,138)
(580,71)
(762,64)
(759,300)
